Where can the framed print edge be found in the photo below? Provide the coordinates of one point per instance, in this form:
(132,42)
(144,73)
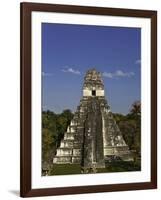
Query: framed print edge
(26,103)
(154,99)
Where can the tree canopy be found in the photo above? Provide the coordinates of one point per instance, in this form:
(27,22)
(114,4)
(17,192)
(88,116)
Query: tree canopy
(130,126)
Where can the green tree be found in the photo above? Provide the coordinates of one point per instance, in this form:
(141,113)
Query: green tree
(130,126)
(136,109)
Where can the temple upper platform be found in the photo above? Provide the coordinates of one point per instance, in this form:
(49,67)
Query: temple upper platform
(93,84)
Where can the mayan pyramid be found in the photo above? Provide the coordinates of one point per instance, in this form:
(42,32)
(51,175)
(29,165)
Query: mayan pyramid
(93,135)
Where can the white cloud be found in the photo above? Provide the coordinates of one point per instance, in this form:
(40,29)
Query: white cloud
(107,75)
(71,70)
(118,73)
(46,74)
(123,74)
(137,62)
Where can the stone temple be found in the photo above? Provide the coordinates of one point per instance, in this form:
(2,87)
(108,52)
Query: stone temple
(93,135)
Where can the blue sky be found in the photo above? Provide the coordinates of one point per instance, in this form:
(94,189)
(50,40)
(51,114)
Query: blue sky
(68,51)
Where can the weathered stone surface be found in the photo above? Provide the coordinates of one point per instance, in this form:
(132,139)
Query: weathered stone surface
(93,134)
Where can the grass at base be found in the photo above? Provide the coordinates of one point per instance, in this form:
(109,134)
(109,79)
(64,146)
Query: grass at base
(119,166)
(64,169)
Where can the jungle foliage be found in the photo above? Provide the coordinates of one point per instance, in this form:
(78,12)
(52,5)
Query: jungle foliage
(130,126)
